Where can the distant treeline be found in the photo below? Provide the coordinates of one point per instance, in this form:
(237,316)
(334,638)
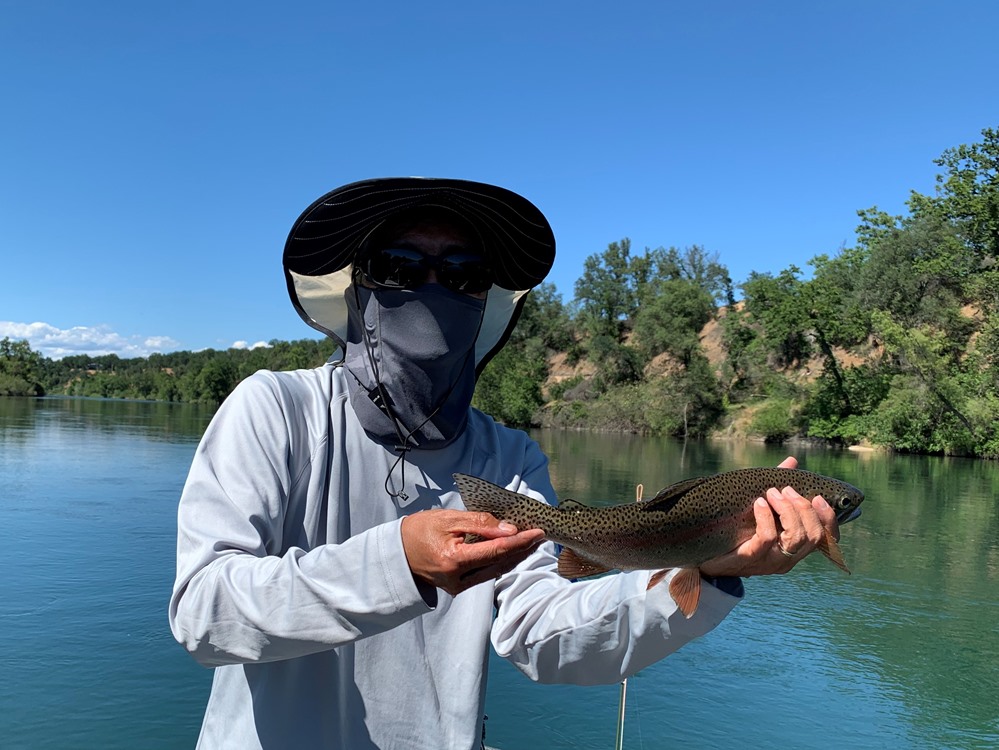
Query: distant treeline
(206,376)
(894,342)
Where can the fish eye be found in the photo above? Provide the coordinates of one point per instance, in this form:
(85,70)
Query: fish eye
(844,502)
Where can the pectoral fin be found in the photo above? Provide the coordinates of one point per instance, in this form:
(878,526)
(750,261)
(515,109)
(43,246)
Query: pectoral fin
(830,548)
(573,565)
(685,588)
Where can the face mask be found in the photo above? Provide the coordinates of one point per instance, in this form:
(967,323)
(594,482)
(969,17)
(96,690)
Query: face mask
(411,357)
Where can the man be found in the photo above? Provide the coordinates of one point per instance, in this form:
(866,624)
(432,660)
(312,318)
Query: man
(321,558)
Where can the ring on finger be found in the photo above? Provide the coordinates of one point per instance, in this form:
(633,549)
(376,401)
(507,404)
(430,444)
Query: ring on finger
(783,550)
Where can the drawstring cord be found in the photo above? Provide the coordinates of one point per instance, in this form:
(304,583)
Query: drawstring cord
(406,441)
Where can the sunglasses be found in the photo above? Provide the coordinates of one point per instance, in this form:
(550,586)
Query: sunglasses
(403,268)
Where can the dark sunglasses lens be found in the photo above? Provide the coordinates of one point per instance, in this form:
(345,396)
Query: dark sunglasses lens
(465,273)
(396,268)
(402,268)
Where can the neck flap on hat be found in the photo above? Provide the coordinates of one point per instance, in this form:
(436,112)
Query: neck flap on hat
(411,357)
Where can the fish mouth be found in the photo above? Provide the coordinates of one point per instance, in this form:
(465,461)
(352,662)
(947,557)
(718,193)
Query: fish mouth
(848,515)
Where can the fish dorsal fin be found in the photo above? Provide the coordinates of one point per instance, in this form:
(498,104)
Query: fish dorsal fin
(570,504)
(573,565)
(671,495)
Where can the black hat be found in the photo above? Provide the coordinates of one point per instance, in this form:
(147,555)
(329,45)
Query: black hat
(517,241)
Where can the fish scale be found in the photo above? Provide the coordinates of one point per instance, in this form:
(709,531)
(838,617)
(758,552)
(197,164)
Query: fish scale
(684,525)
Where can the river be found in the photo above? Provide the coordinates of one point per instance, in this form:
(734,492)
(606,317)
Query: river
(904,653)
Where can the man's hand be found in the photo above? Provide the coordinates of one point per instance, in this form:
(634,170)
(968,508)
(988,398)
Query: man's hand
(434,541)
(777,549)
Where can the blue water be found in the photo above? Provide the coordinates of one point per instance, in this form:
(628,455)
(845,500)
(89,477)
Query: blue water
(89,503)
(902,654)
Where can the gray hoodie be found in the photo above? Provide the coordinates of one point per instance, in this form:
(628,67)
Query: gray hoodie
(292,582)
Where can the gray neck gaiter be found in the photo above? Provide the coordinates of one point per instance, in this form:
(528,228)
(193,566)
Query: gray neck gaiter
(411,357)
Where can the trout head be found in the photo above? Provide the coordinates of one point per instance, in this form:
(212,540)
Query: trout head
(845,500)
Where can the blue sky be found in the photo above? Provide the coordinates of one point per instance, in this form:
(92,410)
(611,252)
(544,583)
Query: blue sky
(155,155)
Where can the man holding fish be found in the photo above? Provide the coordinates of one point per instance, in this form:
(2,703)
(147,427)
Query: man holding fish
(327,566)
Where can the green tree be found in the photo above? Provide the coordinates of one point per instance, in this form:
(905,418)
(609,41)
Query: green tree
(509,388)
(605,293)
(778,305)
(825,414)
(216,380)
(967,194)
(693,264)
(836,312)
(685,405)
(21,369)
(744,368)
(616,363)
(671,320)
(544,317)
(774,421)
(929,356)
(918,271)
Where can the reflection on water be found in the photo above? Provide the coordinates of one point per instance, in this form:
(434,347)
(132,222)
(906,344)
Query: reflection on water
(154,420)
(902,654)
(88,491)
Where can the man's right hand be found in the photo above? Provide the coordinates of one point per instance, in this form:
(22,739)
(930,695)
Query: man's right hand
(435,546)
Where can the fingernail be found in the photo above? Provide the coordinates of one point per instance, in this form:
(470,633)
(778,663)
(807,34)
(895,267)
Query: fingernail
(761,502)
(508,527)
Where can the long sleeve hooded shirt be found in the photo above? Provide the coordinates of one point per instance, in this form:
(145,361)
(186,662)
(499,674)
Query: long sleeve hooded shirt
(293,583)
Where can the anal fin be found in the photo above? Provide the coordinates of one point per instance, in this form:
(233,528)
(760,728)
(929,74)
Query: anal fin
(656,578)
(830,548)
(685,588)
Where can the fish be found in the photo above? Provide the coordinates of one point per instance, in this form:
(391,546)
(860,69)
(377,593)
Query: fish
(683,526)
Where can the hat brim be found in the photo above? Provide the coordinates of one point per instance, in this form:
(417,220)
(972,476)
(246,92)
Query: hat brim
(517,240)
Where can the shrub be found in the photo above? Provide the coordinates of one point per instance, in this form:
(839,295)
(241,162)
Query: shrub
(774,421)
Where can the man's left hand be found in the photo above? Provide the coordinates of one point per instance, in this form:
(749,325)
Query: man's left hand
(803,526)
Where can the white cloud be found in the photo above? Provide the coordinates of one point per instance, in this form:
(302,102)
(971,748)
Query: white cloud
(161,344)
(245,345)
(57,343)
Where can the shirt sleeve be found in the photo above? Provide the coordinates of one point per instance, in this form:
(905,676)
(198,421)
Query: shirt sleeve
(591,632)
(240,595)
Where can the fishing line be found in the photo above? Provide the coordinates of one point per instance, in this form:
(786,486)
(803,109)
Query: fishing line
(638,719)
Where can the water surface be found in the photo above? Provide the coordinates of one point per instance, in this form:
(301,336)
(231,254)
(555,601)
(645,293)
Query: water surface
(902,654)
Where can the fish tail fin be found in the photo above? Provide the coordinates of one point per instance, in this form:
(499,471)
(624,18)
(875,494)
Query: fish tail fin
(830,548)
(480,495)
(685,588)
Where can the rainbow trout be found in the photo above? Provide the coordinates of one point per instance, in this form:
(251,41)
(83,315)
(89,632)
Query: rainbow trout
(683,526)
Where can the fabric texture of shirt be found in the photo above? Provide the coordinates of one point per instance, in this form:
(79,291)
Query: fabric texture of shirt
(292,582)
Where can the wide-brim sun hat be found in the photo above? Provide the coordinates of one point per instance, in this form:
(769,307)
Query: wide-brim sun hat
(517,239)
